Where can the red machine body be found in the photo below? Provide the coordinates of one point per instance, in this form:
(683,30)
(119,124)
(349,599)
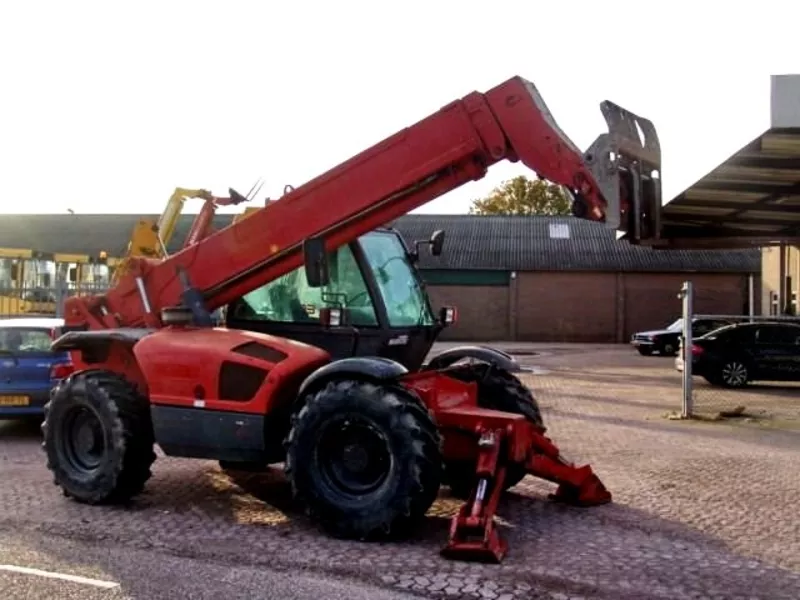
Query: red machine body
(125,331)
(175,364)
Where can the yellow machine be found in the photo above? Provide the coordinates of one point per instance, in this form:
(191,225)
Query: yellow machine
(29,279)
(32,281)
(151,238)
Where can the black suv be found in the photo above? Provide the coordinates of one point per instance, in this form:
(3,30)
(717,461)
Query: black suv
(666,341)
(737,354)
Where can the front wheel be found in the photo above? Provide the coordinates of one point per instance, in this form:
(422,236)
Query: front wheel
(98,437)
(364,458)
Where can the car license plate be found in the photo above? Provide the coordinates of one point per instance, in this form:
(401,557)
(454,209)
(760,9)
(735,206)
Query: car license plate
(15,400)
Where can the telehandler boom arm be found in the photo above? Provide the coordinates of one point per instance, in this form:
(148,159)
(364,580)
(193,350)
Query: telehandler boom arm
(451,147)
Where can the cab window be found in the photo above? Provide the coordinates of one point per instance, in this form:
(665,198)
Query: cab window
(289,299)
(403,295)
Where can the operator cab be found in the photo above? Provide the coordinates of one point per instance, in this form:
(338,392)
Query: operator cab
(376,286)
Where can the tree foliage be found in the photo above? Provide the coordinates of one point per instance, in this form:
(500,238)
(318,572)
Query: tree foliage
(524,196)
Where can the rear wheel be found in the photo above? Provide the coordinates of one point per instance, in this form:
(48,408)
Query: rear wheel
(497,390)
(365,459)
(733,374)
(98,437)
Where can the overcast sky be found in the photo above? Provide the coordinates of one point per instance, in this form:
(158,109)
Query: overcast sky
(107,109)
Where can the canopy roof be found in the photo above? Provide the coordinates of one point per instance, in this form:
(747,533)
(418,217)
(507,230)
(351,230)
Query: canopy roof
(753,198)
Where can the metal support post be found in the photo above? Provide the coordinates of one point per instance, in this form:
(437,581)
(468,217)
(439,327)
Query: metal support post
(751,296)
(686,295)
(60,296)
(782,280)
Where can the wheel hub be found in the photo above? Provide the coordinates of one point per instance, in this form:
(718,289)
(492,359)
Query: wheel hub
(354,456)
(84,444)
(734,373)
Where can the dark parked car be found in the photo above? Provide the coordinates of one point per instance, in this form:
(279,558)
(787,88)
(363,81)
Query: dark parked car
(737,354)
(665,341)
(28,368)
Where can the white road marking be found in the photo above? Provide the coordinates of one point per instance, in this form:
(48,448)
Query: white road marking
(63,576)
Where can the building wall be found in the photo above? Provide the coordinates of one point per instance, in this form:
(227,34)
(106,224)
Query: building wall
(483,311)
(576,307)
(584,307)
(770,269)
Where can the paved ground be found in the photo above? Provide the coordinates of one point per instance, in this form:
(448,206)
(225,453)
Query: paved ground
(702,510)
(149,574)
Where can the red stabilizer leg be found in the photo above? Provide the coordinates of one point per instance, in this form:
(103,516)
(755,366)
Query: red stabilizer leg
(473,535)
(578,486)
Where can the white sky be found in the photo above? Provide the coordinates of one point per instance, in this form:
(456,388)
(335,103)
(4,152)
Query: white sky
(105,109)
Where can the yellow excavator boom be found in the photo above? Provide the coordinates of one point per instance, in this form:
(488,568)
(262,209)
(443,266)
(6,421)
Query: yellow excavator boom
(151,238)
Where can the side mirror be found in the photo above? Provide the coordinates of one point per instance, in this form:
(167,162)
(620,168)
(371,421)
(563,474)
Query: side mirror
(316,262)
(437,242)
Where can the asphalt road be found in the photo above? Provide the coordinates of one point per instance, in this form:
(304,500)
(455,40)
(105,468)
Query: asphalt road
(150,574)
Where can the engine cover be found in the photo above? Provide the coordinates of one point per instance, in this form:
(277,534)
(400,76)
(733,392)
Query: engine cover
(224,369)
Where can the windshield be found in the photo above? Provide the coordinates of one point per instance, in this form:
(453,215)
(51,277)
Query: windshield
(676,326)
(398,282)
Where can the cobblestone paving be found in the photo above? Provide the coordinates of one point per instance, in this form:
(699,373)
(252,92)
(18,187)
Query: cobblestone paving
(701,510)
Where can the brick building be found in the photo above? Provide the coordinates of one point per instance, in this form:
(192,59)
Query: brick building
(515,278)
(568,280)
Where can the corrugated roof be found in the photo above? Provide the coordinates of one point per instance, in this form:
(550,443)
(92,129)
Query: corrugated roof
(472,242)
(538,244)
(754,196)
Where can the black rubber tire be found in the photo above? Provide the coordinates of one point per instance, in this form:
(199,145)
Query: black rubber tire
(408,435)
(742,367)
(127,434)
(501,390)
(645,351)
(668,349)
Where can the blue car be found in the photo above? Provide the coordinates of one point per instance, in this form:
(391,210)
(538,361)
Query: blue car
(28,367)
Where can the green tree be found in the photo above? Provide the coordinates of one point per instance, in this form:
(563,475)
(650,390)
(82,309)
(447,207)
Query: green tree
(523,196)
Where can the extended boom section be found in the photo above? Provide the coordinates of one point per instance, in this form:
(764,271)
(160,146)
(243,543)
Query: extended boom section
(453,146)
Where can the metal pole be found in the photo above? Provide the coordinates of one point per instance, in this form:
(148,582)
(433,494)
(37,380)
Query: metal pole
(751,296)
(782,279)
(686,294)
(60,296)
